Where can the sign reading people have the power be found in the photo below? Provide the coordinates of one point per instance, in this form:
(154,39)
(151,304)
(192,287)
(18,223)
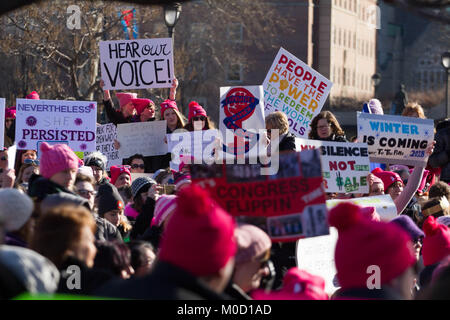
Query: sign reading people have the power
(70,122)
(137,64)
(396,139)
(293,87)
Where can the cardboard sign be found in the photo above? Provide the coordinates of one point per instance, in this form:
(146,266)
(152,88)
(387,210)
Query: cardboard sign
(316,255)
(106,134)
(2,122)
(146,138)
(201,144)
(384,205)
(345,166)
(241,116)
(70,122)
(288,205)
(395,139)
(12,156)
(296,89)
(137,64)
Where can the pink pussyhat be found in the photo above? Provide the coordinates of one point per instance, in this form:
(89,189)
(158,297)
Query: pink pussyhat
(33,95)
(195,110)
(125,98)
(10,113)
(57,158)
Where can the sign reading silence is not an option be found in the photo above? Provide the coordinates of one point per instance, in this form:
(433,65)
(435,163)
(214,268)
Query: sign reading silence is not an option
(137,64)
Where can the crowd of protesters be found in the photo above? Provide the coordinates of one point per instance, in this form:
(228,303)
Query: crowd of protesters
(143,239)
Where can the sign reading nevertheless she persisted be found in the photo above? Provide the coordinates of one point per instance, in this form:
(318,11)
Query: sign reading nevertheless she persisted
(345,166)
(137,64)
(395,139)
(293,87)
(70,122)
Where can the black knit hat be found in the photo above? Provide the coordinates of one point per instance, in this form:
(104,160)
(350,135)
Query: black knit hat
(108,199)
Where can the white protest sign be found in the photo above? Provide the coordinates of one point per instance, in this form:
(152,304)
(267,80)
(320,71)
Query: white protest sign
(69,122)
(345,166)
(134,176)
(2,122)
(296,89)
(199,144)
(137,64)
(106,134)
(316,255)
(395,139)
(241,108)
(12,156)
(146,138)
(384,205)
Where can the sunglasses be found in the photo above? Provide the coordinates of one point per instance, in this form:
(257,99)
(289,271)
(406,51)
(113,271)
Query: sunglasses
(31,161)
(199,118)
(135,166)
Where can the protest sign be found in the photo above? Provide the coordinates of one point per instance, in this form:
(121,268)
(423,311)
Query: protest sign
(137,64)
(345,166)
(106,134)
(201,145)
(70,122)
(241,116)
(146,138)
(288,205)
(296,89)
(384,205)
(316,255)
(395,139)
(12,156)
(134,176)
(2,122)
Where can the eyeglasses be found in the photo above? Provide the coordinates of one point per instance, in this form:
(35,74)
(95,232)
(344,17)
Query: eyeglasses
(31,161)
(323,127)
(84,192)
(265,260)
(199,118)
(135,166)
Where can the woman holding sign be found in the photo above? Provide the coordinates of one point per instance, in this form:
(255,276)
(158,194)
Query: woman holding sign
(325,127)
(127,111)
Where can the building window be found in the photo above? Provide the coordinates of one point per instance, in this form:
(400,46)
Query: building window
(235,32)
(234,72)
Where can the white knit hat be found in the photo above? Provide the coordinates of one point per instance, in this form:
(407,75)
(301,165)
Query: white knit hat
(15,208)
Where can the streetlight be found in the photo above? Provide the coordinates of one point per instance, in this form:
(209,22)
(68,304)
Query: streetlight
(376,78)
(445,60)
(171,14)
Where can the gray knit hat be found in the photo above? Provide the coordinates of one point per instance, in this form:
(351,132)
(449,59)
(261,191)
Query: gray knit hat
(139,183)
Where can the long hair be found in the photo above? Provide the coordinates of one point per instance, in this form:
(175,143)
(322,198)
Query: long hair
(209,124)
(181,120)
(331,119)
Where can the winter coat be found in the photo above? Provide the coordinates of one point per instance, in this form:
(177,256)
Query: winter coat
(144,219)
(40,187)
(441,155)
(283,256)
(287,143)
(115,116)
(334,138)
(13,239)
(367,294)
(165,282)
(106,231)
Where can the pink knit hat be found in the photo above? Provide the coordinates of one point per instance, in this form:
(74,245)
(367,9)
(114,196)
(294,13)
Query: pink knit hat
(199,237)
(363,243)
(297,285)
(436,244)
(125,97)
(10,113)
(116,171)
(57,158)
(167,104)
(164,207)
(195,110)
(141,104)
(251,241)
(33,95)
(388,177)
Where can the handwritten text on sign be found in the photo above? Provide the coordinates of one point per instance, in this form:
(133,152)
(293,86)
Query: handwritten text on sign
(296,89)
(137,64)
(395,139)
(106,134)
(73,122)
(290,204)
(146,138)
(345,166)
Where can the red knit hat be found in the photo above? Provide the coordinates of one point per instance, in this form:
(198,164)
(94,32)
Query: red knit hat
(297,285)
(125,98)
(195,110)
(10,113)
(363,243)
(141,104)
(199,237)
(388,177)
(57,158)
(436,244)
(116,171)
(167,104)
(33,95)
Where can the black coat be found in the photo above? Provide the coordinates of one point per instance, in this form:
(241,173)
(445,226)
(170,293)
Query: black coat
(441,154)
(288,143)
(144,219)
(114,116)
(40,187)
(165,282)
